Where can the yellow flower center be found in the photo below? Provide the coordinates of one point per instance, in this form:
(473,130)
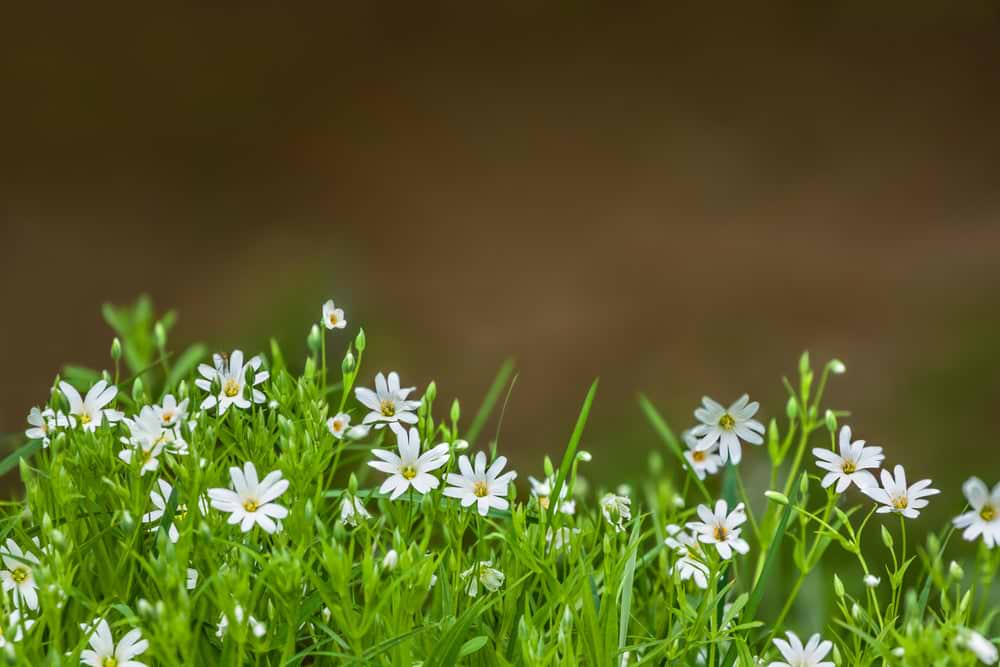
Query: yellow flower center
(167,417)
(727,422)
(250,505)
(720,533)
(19,575)
(848,467)
(388,408)
(480,489)
(333,319)
(85,419)
(110,661)
(698,456)
(900,503)
(988,513)
(543,502)
(338,425)
(182,511)
(409,472)
(231,387)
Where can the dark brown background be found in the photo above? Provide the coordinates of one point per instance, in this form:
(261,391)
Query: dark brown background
(674,199)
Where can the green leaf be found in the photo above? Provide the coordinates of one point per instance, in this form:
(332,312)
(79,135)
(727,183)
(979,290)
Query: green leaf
(489,401)
(184,365)
(473,645)
(24,451)
(670,440)
(570,453)
(627,582)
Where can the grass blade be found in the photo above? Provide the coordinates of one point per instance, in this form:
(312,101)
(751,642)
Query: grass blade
(670,440)
(489,401)
(570,453)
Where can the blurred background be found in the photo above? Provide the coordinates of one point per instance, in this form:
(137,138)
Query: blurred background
(678,200)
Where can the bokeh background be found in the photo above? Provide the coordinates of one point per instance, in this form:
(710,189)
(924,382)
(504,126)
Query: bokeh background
(678,199)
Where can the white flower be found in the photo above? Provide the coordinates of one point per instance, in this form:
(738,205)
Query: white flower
(850,465)
(617,510)
(390,560)
(388,402)
(982,647)
(562,538)
(483,573)
(797,655)
(159,499)
(409,468)
(192,578)
(147,431)
(41,423)
(145,442)
(358,432)
(895,496)
(542,490)
(984,519)
(691,564)
(231,375)
(19,576)
(258,628)
(20,625)
(702,461)
(481,485)
(338,424)
(250,503)
(90,410)
(721,528)
(171,413)
(333,318)
(352,509)
(727,426)
(871,581)
(104,653)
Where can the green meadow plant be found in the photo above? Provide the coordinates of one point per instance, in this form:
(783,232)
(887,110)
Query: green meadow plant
(186,509)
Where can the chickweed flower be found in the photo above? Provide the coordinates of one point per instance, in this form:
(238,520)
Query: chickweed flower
(980,646)
(90,411)
(147,453)
(20,625)
(338,424)
(159,498)
(691,564)
(479,485)
(703,461)
(18,575)
(483,574)
(104,653)
(728,426)
(231,374)
(148,430)
(871,581)
(851,464)
(388,402)
(410,468)
(171,413)
(542,490)
(895,496)
(984,518)
(250,501)
(797,655)
(333,317)
(352,510)
(562,538)
(721,528)
(41,423)
(617,510)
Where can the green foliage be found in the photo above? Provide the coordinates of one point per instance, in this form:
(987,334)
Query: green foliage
(391,588)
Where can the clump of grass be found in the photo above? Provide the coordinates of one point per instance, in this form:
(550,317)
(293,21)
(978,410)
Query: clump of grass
(178,512)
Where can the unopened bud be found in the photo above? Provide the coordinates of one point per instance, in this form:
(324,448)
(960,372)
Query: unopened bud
(837,367)
(955,571)
(776,496)
(838,586)
(887,538)
(792,407)
(831,421)
(460,445)
(116,349)
(360,341)
(347,365)
(137,391)
(160,335)
(314,339)
(431,393)
(584,456)
(456,411)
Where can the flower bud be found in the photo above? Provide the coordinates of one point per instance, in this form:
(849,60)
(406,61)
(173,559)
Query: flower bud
(314,339)
(831,421)
(584,456)
(352,484)
(792,408)
(137,391)
(836,367)
(360,341)
(431,393)
(460,445)
(955,571)
(778,497)
(347,365)
(160,335)
(456,411)
(127,522)
(804,363)
(838,586)
(887,538)
(116,349)
(391,560)
(804,485)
